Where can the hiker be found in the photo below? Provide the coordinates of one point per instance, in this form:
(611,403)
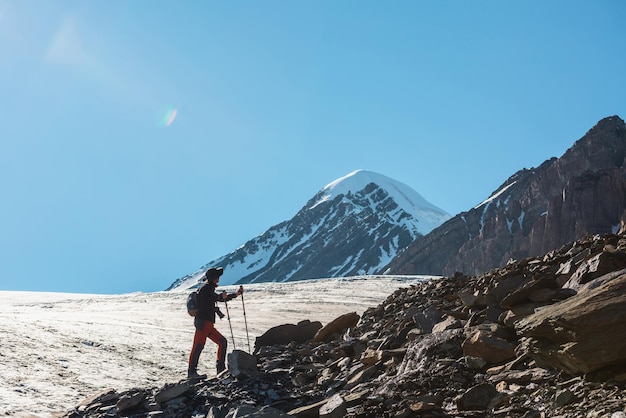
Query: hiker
(204,321)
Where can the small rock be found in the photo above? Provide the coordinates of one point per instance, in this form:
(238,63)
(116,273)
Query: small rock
(493,349)
(477,397)
(448,323)
(130,400)
(564,397)
(335,407)
(170,392)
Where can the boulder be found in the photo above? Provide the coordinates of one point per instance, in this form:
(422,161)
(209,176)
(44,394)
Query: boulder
(601,280)
(171,391)
(579,335)
(101,397)
(596,266)
(473,299)
(362,376)
(308,411)
(130,400)
(448,323)
(336,327)
(287,333)
(492,349)
(477,397)
(242,364)
(335,407)
(523,294)
(426,319)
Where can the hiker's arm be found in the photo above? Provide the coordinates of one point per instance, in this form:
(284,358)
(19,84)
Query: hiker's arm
(225,297)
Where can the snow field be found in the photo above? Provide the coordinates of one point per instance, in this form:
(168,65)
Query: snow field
(58,348)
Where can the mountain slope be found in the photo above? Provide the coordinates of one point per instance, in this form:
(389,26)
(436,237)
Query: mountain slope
(355,225)
(535,211)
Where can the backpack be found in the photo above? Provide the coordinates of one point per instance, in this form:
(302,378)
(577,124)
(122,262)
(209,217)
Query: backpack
(192,303)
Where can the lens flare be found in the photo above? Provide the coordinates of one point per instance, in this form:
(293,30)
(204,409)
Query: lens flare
(169,117)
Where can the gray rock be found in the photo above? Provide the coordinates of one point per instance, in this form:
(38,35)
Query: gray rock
(335,407)
(242,365)
(248,411)
(477,397)
(170,392)
(308,411)
(130,400)
(596,266)
(426,319)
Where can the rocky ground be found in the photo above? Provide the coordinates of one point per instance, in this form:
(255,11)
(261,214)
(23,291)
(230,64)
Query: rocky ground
(541,337)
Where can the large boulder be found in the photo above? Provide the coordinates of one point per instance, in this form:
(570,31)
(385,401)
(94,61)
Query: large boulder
(337,326)
(242,365)
(581,334)
(489,347)
(598,265)
(287,333)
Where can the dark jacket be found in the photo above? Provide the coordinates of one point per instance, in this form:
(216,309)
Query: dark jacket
(207,301)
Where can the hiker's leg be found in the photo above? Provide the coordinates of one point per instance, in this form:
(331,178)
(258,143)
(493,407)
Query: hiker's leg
(199,340)
(222,344)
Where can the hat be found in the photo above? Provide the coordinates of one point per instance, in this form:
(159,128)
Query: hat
(214,273)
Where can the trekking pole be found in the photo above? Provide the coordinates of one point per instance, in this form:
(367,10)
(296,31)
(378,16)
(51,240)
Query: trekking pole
(243,305)
(230,325)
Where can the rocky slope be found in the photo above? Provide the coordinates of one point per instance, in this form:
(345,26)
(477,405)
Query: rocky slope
(536,210)
(540,337)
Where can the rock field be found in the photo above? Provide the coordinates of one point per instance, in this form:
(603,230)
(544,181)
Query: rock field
(540,337)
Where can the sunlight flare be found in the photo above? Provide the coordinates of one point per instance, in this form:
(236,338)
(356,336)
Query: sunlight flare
(169,117)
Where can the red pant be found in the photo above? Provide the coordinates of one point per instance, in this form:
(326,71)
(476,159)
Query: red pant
(204,330)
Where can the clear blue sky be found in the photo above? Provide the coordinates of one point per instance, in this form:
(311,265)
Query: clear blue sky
(273,100)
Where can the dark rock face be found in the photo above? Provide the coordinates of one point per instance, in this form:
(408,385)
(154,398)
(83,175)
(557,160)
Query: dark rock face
(533,212)
(513,342)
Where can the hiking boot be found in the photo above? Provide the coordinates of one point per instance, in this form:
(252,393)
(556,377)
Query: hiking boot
(192,374)
(220,367)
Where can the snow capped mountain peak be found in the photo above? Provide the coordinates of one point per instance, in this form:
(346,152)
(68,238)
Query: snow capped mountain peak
(355,225)
(405,197)
(353,182)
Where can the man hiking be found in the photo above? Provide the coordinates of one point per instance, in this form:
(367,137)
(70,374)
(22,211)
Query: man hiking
(204,321)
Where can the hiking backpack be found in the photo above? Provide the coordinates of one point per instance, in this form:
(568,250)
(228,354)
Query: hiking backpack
(192,303)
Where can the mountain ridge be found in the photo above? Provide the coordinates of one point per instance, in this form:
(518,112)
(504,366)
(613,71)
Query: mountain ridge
(354,225)
(533,212)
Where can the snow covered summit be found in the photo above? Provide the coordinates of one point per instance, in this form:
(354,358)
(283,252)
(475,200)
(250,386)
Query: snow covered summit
(353,226)
(407,199)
